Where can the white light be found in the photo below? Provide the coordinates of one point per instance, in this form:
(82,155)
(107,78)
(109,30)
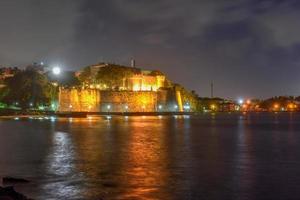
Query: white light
(56,70)
(175,106)
(241,101)
(160,107)
(186,107)
(108,107)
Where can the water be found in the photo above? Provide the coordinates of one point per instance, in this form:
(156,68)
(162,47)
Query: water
(224,156)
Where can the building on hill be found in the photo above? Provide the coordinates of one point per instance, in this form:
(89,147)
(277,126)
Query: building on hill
(115,88)
(115,77)
(7,72)
(140,82)
(93,68)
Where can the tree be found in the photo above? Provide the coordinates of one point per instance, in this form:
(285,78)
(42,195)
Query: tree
(112,76)
(28,88)
(65,79)
(85,75)
(156,73)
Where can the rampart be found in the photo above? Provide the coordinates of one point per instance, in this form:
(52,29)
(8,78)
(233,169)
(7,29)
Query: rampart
(93,100)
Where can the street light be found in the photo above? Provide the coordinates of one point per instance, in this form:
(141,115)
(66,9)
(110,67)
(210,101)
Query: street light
(56,70)
(241,101)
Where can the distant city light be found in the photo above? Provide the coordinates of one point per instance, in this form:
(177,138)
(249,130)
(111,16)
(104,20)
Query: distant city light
(187,106)
(213,106)
(176,107)
(56,70)
(241,101)
(52,119)
(108,107)
(160,107)
(31,104)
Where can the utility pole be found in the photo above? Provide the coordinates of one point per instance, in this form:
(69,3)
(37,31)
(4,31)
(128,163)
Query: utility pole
(132,63)
(212,89)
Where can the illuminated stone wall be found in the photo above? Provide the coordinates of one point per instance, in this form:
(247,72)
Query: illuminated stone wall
(77,100)
(145,83)
(93,100)
(124,101)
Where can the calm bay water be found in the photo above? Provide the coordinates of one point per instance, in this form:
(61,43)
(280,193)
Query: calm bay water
(224,156)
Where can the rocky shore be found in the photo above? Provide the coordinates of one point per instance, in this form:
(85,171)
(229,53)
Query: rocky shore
(8,192)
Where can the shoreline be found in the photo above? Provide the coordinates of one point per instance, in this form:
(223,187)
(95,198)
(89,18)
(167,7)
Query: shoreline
(45,114)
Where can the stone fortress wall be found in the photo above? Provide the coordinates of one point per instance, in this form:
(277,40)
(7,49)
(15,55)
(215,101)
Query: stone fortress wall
(93,100)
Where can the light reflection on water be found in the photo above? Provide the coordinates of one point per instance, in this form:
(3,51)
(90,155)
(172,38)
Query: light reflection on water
(155,157)
(60,168)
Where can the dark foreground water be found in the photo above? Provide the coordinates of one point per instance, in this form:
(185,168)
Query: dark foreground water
(228,156)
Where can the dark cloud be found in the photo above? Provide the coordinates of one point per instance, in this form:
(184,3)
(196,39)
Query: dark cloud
(248,47)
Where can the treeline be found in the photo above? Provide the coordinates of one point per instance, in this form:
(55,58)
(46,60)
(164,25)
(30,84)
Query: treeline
(276,103)
(32,88)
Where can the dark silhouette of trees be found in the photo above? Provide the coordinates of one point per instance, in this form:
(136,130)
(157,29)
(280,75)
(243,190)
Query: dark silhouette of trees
(112,76)
(28,88)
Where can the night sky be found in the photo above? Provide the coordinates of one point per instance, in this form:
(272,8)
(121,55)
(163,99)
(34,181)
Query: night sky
(249,48)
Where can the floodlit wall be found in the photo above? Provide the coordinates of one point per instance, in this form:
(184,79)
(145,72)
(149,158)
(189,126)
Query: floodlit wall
(79,100)
(145,83)
(93,100)
(124,101)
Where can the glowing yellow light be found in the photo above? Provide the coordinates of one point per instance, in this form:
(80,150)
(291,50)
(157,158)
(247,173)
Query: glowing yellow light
(213,107)
(248,101)
(276,106)
(292,106)
(136,87)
